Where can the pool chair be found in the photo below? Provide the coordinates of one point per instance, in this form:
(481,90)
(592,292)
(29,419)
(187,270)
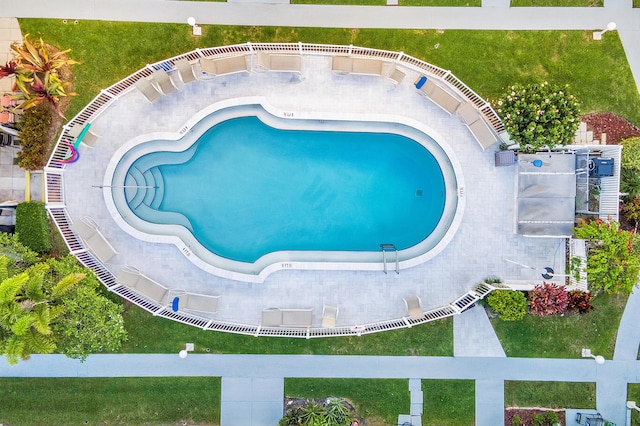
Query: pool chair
(132,278)
(222,66)
(162,79)
(7,101)
(393,73)
(185,71)
(440,96)
(7,117)
(147,89)
(329,316)
(473,119)
(414,307)
(278,62)
(88,138)
(364,66)
(95,242)
(275,317)
(198,302)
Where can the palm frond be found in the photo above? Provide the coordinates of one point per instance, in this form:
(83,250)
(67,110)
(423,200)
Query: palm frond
(42,319)
(66,283)
(37,343)
(22,325)
(14,349)
(56,311)
(4,267)
(10,287)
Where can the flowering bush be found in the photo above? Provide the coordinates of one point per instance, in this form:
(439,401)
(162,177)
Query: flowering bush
(548,299)
(539,115)
(579,302)
(612,263)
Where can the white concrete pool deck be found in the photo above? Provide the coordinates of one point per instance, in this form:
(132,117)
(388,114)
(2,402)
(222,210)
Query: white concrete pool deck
(477,250)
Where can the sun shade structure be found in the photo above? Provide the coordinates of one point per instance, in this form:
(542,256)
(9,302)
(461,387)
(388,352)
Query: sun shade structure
(546,195)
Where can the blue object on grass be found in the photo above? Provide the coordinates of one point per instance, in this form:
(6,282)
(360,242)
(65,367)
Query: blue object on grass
(174,304)
(421,82)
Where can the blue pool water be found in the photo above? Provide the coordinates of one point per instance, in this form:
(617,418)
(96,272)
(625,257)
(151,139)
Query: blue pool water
(245,189)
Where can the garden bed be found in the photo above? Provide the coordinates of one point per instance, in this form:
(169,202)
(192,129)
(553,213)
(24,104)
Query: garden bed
(617,128)
(526,413)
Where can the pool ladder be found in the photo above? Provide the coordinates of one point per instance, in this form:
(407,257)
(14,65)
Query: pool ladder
(389,247)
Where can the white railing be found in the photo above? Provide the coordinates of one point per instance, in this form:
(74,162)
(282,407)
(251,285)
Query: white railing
(610,185)
(578,250)
(54,190)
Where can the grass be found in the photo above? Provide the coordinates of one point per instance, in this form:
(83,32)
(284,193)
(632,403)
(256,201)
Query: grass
(550,394)
(487,61)
(379,401)
(432,339)
(448,402)
(633,394)
(564,337)
(81,401)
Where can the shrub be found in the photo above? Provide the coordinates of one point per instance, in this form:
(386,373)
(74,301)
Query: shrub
(537,419)
(551,417)
(313,414)
(579,301)
(509,305)
(630,183)
(548,299)
(32,226)
(338,413)
(516,421)
(631,210)
(292,417)
(539,115)
(34,128)
(612,264)
(631,154)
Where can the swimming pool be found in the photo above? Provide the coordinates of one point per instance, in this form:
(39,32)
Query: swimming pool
(243,190)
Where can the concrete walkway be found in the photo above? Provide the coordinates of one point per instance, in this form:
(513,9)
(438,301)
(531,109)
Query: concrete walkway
(261,375)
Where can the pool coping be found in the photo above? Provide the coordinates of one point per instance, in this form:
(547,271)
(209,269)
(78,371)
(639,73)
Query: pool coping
(259,270)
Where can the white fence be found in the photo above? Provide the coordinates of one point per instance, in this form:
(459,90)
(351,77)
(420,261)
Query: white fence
(54,189)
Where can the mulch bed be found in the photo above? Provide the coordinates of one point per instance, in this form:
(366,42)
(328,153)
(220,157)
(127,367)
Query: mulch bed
(525,415)
(617,128)
(291,403)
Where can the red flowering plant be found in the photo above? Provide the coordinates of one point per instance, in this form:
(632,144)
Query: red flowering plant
(548,299)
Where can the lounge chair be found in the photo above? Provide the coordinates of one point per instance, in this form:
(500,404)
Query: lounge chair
(148,90)
(275,317)
(89,138)
(329,316)
(141,284)
(393,73)
(279,62)
(222,66)
(7,117)
(440,96)
(414,307)
(94,240)
(349,65)
(162,79)
(476,123)
(198,302)
(185,71)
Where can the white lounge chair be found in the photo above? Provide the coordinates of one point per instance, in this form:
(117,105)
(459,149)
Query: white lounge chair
(329,316)
(440,96)
(222,66)
(275,317)
(414,307)
(96,243)
(279,62)
(162,79)
(147,89)
(198,302)
(391,72)
(145,286)
(185,71)
(476,123)
(349,65)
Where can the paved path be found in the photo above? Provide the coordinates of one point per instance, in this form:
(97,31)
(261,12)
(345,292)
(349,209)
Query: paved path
(473,335)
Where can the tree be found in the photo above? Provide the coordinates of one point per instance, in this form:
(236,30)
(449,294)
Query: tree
(539,115)
(612,263)
(55,306)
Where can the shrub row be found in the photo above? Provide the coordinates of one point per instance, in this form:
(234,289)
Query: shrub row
(32,226)
(34,126)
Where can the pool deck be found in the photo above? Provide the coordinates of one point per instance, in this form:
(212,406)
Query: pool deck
(477,251)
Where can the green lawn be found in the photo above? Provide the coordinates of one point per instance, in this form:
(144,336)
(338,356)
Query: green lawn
(550,394)
(564,337)
(449,402)
(432,339)
(487,61)
(633,394)
(131,401)
(379,401)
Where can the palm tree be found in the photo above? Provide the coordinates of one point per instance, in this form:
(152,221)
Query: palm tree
(27,308)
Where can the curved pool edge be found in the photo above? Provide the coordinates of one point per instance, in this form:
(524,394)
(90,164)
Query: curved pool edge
(287,260)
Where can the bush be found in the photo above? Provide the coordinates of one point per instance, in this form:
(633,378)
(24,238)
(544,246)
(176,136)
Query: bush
(537,419)
(551,417)
(516,421)
(539,115)
(631,210)
(32,226)
(630,183)
(34,127)
(509,305)
(579,301)
(612,263)
(548,299)
(631,154)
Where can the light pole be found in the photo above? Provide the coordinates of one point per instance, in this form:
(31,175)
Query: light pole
(188,347)
(197,31)
(586,353)
(631,406)
(597,35)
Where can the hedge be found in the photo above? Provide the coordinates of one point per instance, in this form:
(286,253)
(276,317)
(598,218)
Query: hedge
(32,226)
